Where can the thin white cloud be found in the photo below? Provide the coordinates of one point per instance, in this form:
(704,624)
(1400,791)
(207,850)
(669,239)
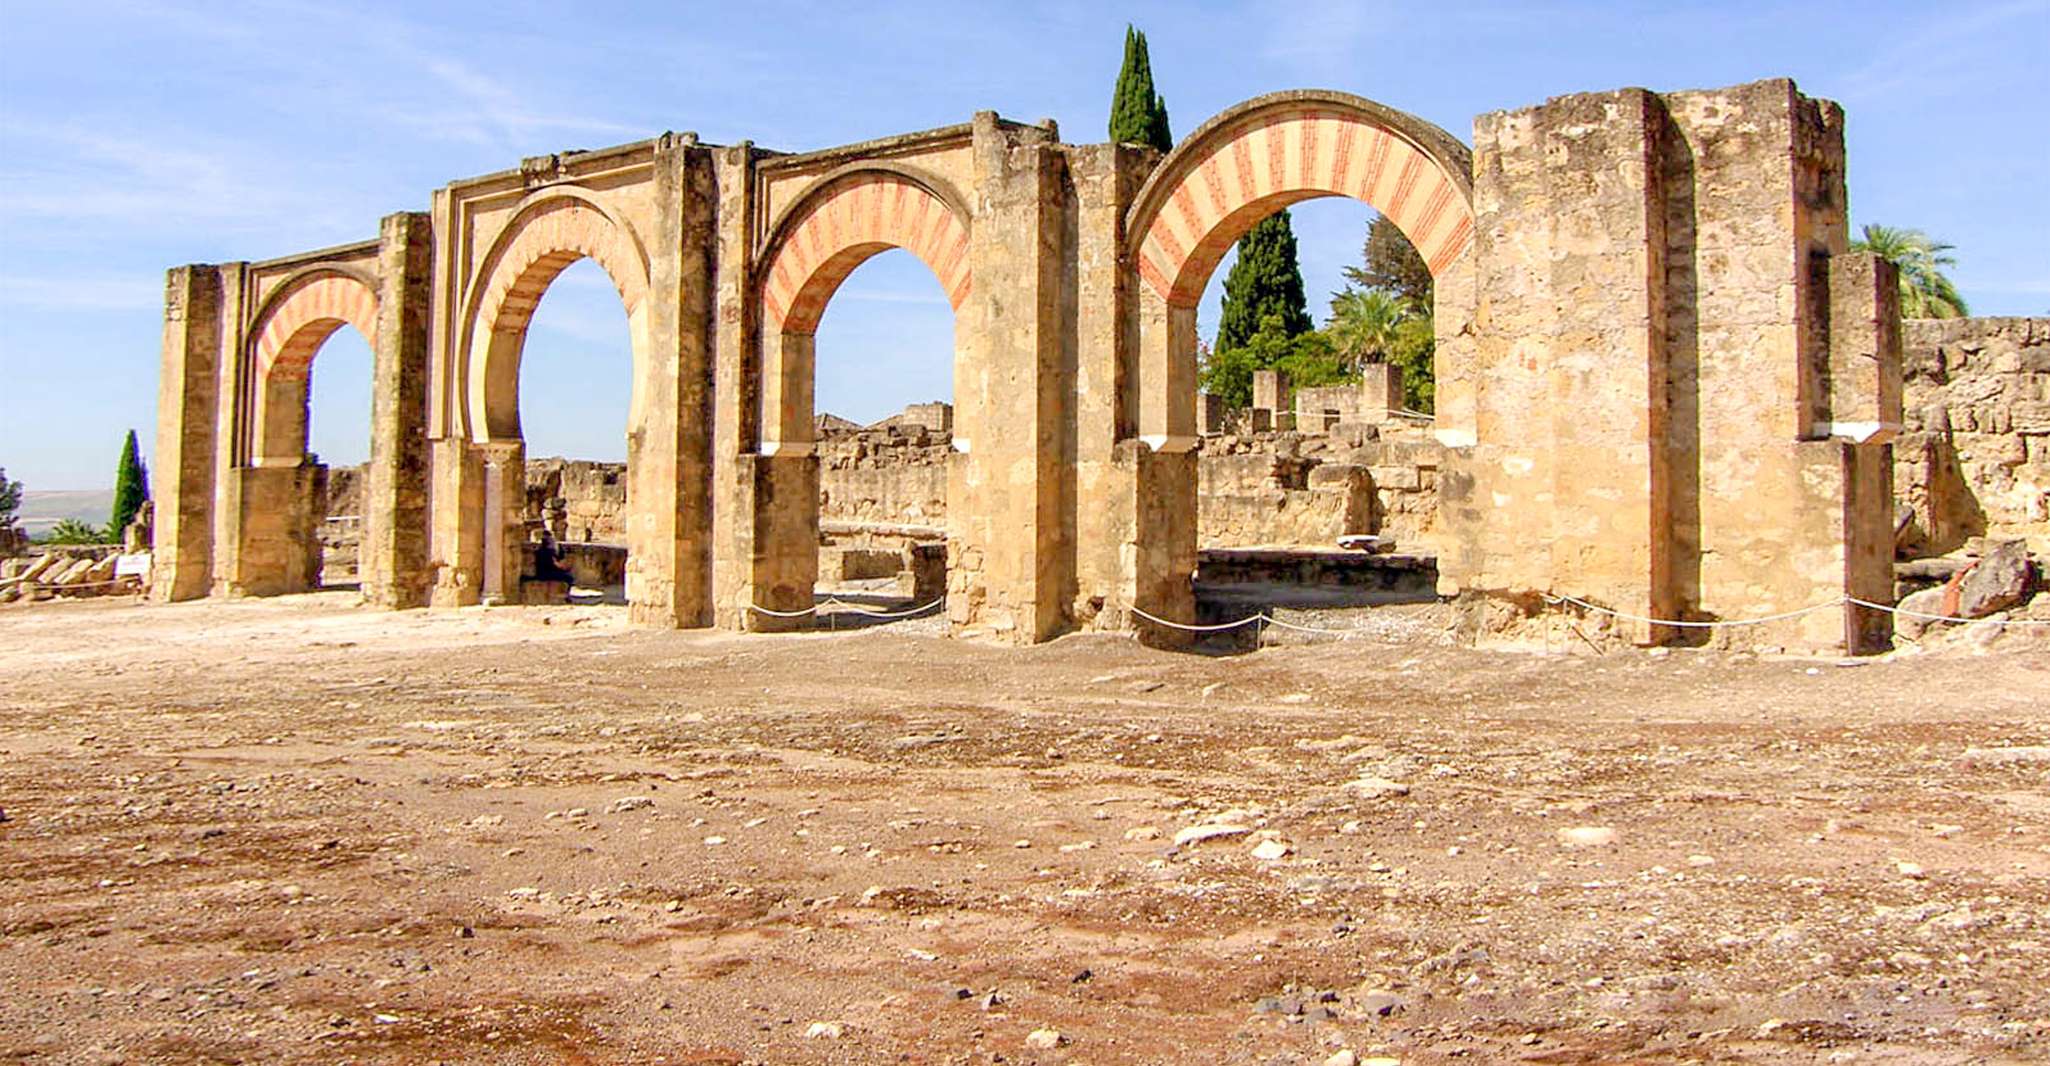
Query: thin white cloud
(1942,54)
(493,112)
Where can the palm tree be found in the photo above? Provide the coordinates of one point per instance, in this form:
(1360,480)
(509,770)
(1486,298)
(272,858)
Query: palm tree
(1925,291)
(1364,325)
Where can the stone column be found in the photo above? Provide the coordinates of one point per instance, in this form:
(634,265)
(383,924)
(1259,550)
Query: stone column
(1159,504)
(1380,393)
(669,506)
(457,503)
(394,564)
(1863,416)
(277,546)
(1104,179)
(736,411)
(235,404)
(1158,511)
(783,526)
(188,395)
(505,519)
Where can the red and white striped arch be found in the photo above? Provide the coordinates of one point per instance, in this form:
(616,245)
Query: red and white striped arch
(306,316)
(556,233)
(559,227)
(853,218)
(1222,183)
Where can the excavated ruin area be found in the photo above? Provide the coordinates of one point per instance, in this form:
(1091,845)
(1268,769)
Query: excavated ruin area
(292,830)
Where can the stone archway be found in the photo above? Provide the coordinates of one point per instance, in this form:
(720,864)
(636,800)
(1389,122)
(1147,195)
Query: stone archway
(556,227)
(544,239)
(1234,170)
(289,333)
(843,219)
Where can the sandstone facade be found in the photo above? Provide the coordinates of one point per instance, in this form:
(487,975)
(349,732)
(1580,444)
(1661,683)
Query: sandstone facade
(1663,388)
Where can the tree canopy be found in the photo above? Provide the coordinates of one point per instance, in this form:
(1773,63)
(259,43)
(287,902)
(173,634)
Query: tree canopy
(1391,264)
(1138,115)
(1926,292)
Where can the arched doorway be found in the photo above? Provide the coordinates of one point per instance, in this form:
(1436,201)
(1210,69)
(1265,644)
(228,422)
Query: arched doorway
(840,222)
(281,494)
(540,244)
(1235,170)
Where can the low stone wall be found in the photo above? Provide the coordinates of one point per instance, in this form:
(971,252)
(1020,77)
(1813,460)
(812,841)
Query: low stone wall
(893,473)
(1307,490)
(1973,459)
(590,495)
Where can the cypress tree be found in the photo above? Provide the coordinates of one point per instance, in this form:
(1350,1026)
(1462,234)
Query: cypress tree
(131,488)
(1264,282)
(1138,114)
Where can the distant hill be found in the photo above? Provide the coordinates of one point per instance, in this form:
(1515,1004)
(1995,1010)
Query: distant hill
(43,508)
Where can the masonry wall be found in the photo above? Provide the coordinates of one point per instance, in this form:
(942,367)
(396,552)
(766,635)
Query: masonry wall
(1686,389)
(1974,459)
(1307,490)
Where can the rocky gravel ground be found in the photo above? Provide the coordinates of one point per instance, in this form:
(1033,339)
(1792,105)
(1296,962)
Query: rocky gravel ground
(297,831)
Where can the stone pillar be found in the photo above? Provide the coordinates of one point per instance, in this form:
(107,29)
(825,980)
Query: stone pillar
(395,521)
(1158,501)
(1270,391)
(188,395)
(783,511)
(1380,393)
(669,534)
(505,520)
(459,523)
(277,546)
(1104,179)
(1167,373)
(736,412)
(235,403)
(1158,511)
(1793,363)
(1015,407)
(1564,491)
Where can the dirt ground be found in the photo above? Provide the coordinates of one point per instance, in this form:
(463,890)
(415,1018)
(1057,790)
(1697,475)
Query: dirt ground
(297,831)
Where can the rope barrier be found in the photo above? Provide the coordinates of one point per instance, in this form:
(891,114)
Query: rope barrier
(1947,618)
(1407,413)
(1263,616)
(1781,617)
(1583,604)
(1784,615)
(859,609)
(854,607)
(1157,620)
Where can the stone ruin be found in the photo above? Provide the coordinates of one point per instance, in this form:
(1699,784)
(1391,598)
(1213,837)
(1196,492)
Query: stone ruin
(1665,386)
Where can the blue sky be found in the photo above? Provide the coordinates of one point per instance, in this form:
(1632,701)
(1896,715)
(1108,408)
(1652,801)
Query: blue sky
(136,136)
